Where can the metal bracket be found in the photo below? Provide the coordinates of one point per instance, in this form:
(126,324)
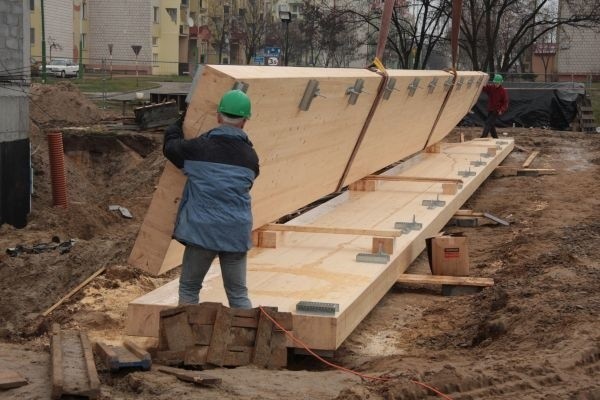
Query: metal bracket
(354,91)
(389,88)
(466,174)
(317,307)
(460,82)
(406,227)
(376,258)
(431,204)
(479,163)
(448,84)
(432,85)
(470,82)
(311,91)
(413,86)
(243,86)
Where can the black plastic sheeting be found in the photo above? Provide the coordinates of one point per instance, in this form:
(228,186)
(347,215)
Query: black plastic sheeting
(15,183)
(540,105)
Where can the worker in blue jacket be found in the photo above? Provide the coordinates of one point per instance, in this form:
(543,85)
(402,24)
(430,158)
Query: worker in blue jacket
(215,216)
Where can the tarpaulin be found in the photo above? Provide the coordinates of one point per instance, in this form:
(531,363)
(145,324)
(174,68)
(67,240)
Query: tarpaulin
(531,104)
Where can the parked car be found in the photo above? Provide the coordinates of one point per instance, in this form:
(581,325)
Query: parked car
(61,67)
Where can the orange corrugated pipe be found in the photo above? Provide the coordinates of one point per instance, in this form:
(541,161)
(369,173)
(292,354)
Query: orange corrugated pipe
(57,169)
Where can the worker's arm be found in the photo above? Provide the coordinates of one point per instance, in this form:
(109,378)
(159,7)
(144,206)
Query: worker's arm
(174,144)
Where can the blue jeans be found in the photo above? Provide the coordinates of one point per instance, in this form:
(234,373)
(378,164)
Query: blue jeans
(196,263)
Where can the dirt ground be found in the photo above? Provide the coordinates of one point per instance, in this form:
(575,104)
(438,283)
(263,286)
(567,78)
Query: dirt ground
(534,335)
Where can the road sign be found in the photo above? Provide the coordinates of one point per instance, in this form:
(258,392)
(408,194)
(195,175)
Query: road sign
(273,51)
(259,60)
(272,61)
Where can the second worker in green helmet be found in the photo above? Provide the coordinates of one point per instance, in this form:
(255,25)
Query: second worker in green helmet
(497,104)
(215,216)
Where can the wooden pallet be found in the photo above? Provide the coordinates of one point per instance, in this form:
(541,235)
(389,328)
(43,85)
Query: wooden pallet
(73,369)
(209,333)
(308,154)
(322,267)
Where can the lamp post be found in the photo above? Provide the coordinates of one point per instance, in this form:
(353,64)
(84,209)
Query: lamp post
(286,17)
(43,43)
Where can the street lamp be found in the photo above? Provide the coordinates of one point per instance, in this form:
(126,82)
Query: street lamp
(286,17)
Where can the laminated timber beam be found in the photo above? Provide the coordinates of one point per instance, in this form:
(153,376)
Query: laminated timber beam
(323,267)
(308,145)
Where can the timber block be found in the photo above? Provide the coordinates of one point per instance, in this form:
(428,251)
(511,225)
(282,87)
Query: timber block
(434,148)
(381,244)
(449,188)
(363,185)
(264,239)
(127,356)
(491,151)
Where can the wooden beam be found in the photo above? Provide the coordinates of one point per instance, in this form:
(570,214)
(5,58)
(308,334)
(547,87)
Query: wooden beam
(412,179)
(445,280)
(332,230)
(530,159)
(75,290)
(516,171)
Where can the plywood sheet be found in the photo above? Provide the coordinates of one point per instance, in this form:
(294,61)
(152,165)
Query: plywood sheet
(322,267)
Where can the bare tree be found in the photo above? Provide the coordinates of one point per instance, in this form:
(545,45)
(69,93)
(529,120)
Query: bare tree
(497,34)
(253,24)
(219,25)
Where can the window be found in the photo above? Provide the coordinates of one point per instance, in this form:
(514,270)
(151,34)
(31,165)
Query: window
(225,9)
(155,13)
(155,60)
(154,41)
(172,13)
(32,36)
(32,5)
(83,10)
(242,12)
(83,40)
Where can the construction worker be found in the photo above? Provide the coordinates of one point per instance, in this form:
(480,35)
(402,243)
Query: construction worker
(215,217)
(497,104)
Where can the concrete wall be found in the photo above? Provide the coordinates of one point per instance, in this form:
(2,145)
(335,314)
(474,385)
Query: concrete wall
(123,23)
(14,53)
(578,49)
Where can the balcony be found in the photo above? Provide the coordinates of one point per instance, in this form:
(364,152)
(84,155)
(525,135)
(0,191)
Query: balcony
(184,30)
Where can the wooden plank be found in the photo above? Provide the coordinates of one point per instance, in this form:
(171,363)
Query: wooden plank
(501,171)
(445,280)
(11,379)
(202,334)
(332,230)
(195,377)
(305,159)
(412,179)
(127,356)
(262,346)
(220,337)
(73,369)
(320,268)
(177,332)
(530,159)
(75,290)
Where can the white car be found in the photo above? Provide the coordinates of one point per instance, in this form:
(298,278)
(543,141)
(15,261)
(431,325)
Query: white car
(61,67)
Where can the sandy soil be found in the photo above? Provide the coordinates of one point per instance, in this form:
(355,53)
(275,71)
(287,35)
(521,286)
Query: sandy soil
(534,335)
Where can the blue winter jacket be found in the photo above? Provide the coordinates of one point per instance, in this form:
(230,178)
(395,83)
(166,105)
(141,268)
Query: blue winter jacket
(221,165)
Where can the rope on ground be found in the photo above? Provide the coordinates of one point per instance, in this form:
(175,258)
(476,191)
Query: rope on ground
(347,370)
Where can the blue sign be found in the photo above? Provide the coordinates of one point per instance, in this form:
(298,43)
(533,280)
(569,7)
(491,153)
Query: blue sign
(259,60)
(273,51)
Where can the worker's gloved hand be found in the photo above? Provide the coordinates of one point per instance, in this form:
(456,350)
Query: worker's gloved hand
(181,118)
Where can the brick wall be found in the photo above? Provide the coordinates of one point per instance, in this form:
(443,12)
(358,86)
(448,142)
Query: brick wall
(123,23)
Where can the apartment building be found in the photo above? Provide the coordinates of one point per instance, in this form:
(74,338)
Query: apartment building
(59,27)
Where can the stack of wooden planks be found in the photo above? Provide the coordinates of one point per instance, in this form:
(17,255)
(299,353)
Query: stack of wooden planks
(210,333)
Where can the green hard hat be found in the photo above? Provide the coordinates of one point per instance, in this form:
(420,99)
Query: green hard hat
(235,103)
(498,78)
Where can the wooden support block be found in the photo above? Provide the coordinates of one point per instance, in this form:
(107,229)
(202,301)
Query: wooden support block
(491,151)
(530,159)
(11,379)
(73,369)
(363,185)
(462,137)
(445,280)
(262,346)
(449,188)
(434,148)
(264,239)
(385,245)
(195,377)
(332,230)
